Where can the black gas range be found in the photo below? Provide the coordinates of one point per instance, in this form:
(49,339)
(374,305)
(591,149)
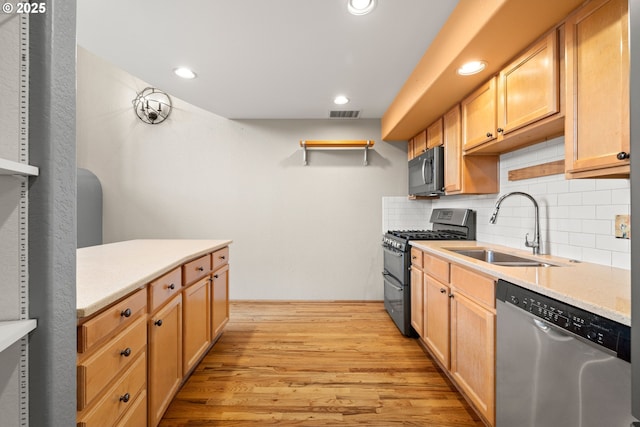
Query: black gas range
(447,224)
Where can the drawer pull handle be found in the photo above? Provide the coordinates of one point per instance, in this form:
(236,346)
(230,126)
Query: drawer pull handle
(443,291)
(158,322)
(622,155)
(200,268)
(126,352)
(489,135)
(125,397)
(223,257)
(500,130)
(126,313)
(172,286)
(215,276)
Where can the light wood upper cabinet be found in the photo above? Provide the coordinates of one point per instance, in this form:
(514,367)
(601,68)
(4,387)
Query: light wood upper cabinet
(597,125)
(466,174)
(434,134)
(479,116)
(418,144)
(523,105)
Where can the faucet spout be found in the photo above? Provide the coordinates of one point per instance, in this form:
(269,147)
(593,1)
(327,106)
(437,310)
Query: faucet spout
(535,244)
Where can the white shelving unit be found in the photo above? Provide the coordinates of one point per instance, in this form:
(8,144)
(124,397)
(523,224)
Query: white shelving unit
(11,331)
(15,174)
(9,167)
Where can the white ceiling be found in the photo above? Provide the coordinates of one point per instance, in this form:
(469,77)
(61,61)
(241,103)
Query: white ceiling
(266,59)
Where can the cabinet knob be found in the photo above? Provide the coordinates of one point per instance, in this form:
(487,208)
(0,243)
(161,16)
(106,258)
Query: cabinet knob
(125,397)
(126,352)
(450,295)
(223,257)
(172,286)
(126,313)
(443,291)
(489,135)
(200,268)
(158,322)
(215,276)
(500,130)
(622,155)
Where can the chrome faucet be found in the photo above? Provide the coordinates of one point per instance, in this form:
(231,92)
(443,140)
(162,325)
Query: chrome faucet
(536,231)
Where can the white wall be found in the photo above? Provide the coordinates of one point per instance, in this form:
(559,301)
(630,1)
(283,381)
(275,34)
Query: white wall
(577,216)
(299,232)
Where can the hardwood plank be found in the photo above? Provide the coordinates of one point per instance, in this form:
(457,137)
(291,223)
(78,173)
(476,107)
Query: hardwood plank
(316,364)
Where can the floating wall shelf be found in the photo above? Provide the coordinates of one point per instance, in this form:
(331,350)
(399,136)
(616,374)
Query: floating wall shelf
(336,144)
(9,167)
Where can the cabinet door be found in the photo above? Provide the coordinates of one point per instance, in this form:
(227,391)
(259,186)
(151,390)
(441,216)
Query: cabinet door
(420,143)
(473,352)
(434,134)
(452,151)
(417,301)
(410,149)
(196,322)
(220,301)
(437,319)
(597,123)
(165,357)
(528,88)
(479,116)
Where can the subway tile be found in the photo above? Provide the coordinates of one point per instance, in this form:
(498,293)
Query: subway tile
(582,185)
(612,243)
(596,256)
(582,212)
(570,199)
(621,260)
(602,197)
(583,240)
(610,212)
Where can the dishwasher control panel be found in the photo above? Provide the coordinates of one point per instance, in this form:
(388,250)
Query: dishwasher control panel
(607,333)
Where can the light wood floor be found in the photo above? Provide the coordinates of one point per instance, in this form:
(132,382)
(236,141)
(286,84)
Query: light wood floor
(316,364)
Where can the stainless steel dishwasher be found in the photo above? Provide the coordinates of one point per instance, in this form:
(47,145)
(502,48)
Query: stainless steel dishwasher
(559,365)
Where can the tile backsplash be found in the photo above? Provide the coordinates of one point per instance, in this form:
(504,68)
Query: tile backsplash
(577,217)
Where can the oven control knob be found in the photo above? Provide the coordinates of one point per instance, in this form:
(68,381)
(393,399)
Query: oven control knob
(515,300)
(592,335)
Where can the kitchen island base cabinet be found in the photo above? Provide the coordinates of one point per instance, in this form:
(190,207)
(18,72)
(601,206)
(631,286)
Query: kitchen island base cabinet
(196,322)
(219,301)
(165,357)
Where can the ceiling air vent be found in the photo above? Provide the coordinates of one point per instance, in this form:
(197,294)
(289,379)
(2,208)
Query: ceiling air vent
(344,114)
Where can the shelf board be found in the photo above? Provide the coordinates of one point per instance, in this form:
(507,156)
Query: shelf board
(9,167)
(12,331)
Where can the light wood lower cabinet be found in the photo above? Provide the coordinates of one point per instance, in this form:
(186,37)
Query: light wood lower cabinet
(134,355)
(417,300)
(196,329)
(165,357)
(459,328)
(219,301)
(437,319)
(473,352)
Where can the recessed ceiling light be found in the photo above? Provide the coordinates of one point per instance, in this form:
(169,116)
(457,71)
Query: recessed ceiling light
(472,67)
(184,72)
(360,7)
(340,100)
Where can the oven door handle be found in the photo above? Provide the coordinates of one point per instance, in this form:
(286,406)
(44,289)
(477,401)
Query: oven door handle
(388,276)
(392,252)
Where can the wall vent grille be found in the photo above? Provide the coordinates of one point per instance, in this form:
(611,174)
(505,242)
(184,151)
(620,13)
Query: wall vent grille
(344,114)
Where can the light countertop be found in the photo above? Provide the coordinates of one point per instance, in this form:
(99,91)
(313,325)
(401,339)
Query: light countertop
(106,273)
(600,289)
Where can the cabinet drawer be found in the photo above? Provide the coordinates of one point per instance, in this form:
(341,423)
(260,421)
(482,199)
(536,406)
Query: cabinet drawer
(97,371)
(119,398)
(160,290)
(416,257)
(437,268)
(220,258)
(137,414)
(474,285)
(196,269)
(117,316)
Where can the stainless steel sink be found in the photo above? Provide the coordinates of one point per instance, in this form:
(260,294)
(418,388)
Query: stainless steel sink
(501,258)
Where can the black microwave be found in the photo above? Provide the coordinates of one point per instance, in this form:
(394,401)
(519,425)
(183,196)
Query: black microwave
(426,173)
